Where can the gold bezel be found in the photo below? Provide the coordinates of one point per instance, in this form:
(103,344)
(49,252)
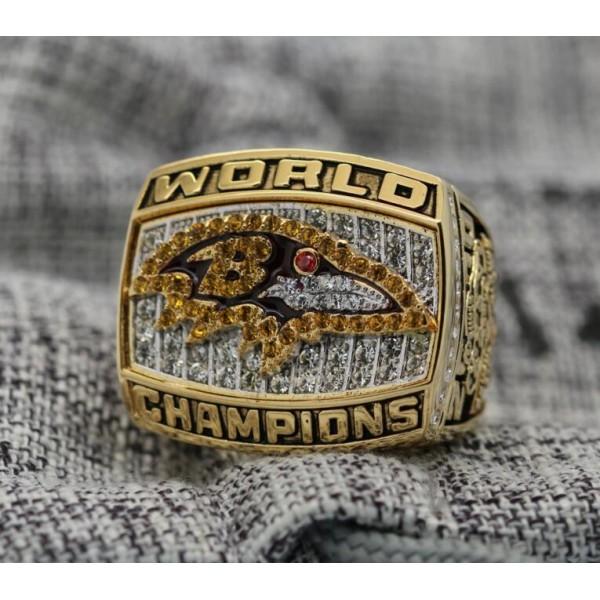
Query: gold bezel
(437,222)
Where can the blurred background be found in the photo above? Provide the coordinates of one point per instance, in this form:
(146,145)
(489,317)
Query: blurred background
(515,123)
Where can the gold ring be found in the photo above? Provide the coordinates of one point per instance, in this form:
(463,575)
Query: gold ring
(285,299)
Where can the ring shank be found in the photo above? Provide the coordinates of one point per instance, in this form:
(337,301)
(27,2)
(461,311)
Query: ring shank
(477,330)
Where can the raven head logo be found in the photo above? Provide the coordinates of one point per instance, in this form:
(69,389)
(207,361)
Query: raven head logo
(280,280)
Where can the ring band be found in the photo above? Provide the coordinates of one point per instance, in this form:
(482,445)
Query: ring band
(284,299)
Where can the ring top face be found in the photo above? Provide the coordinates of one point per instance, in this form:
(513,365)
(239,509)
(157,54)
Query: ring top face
(297,299)
(270,299)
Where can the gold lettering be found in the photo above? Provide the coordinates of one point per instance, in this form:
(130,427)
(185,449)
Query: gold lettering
(189,183)
(208,418)
(244,427)
(306,424)
(181,412)
(289,170)
(403,191)
(279,422)
(333,425)
(141,396)
(364,420)
(403,413)
(229,175)
(341,181)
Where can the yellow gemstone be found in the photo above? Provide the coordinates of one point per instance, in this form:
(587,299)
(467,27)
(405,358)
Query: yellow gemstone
(326,245)
(271,223)
(406,297)
(252,222)
(308,323)
(250,332)
(197,230)
(342,256)
(199,330)
(215,226)
(228,316)
(375,323)
(163,252)
(393,322)
(262,249)
(357,323)
(158,283)
(322,320)
(167,318)
(377,272)
(288,334)
(150,266)
(246,312)
(176,301)
(192,310)
(180,240)
(141,284)
(269,349)
(291,228)
(179,284)
(360,265)
(234,222)
(338,322)
(395,284)
(410,319)
(308,235)
(268,327)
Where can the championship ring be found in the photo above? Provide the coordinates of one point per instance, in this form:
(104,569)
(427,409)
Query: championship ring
(287,299)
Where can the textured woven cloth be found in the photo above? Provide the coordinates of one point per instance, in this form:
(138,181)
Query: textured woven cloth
(515,123)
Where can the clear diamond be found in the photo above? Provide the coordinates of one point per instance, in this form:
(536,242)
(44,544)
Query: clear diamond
(395,249)
(308,368)
(225,358)
(328,293)
(280,383)
(389,359)
(317,218)
(343,226)
(145,353)
(369,241)
(197,372)
(423,269)
(415,362)
(226,377)
(309,357)
(207,217)
(252,361)
(197,357)
(152,238)
(363,364)
(336,364)
(250,378)
(180,225)
(290,213)
(145,310)
(172,351)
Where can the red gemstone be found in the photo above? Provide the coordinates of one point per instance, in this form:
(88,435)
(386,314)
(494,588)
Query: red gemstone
(306,261)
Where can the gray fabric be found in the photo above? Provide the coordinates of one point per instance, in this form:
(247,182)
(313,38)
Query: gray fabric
(514,122)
